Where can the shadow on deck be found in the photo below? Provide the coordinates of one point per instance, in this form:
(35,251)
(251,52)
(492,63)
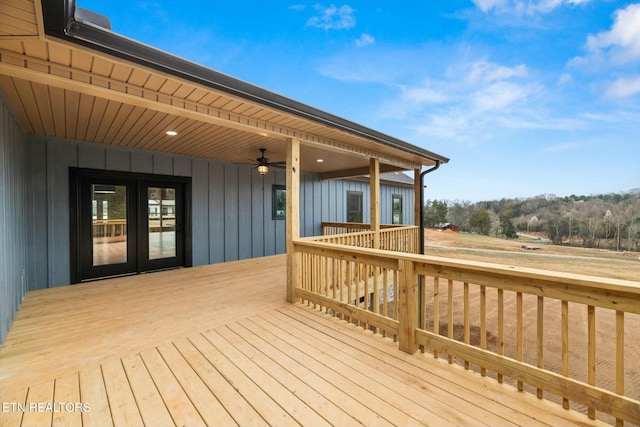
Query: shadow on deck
(218,345)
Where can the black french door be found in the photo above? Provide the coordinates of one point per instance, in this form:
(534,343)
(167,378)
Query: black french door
(126,223)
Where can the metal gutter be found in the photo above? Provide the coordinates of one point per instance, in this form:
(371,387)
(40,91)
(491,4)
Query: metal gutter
(61,21)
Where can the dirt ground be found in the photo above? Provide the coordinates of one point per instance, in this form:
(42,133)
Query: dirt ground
(594,262)
(574,260)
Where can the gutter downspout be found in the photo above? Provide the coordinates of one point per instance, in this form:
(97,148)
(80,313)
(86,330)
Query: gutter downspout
(421,301)
(422,175)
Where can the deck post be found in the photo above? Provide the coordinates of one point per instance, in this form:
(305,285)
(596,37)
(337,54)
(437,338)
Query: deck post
(417,208)
(374,188)
(292,215)
(408,307)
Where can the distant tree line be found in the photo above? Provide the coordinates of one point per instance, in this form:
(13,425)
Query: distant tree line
(610,221)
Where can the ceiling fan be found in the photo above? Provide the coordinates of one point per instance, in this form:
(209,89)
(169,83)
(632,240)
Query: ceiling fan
(263,164)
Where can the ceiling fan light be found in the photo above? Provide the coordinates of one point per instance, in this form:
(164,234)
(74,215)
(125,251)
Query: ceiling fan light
(263,169)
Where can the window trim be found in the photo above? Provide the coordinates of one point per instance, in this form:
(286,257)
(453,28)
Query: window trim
(360,211)
(275,188)
(395,197)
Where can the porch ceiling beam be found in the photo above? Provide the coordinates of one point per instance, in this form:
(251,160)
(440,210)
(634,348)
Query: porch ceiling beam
(68,78)
(359,171)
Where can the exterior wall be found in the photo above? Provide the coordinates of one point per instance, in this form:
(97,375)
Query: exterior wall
(231,204)
(14,244)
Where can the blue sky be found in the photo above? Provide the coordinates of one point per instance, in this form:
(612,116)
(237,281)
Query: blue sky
(526,97)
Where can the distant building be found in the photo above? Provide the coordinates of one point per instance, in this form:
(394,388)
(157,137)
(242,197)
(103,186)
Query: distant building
(448,226)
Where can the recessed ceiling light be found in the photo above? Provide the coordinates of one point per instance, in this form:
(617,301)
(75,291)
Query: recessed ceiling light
(172,133)
(319,160)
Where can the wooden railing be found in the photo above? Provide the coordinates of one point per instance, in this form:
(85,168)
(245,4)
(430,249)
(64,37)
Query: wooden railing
(469,309)
(396,238)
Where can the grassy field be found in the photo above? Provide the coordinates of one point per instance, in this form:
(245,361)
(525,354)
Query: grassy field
(594,262)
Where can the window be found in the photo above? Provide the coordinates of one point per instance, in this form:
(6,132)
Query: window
(396,209)
(354,206)
(279,204)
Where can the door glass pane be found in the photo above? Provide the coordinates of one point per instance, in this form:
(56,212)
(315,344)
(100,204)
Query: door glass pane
(109,212)
(162,222)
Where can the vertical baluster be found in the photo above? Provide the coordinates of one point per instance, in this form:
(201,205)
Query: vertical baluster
(334,278)
(366,291)
(591,353)
(303,270)
(467,326)
(349,284)
(519,337)
(565,346)
(326,278)
(396,291)
(385,302)
(436,310)
(450,314)
(619,358)
(483,323)
(500,328)
(367,269)
(540,340)
(343,281)
(314,276)
(375,298)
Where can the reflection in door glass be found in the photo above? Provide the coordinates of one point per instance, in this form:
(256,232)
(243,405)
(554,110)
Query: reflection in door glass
(162,222)
(109,212)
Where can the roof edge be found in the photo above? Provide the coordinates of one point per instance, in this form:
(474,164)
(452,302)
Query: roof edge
(61,22)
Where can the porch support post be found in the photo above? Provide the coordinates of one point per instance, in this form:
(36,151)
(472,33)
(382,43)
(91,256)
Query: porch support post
(292,215)
(417,207)
(374,186)
(408,307)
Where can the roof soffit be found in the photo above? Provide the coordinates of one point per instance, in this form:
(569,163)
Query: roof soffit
(67,65)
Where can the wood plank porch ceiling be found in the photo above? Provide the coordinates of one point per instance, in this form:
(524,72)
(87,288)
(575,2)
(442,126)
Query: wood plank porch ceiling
(62,89)
(218,345)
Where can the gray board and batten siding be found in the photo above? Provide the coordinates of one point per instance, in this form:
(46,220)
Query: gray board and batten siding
(231,206)
(16,250)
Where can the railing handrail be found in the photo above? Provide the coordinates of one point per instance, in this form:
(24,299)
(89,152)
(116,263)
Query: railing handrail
(618,286)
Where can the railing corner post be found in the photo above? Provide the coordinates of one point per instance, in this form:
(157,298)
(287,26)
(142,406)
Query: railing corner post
(408,307)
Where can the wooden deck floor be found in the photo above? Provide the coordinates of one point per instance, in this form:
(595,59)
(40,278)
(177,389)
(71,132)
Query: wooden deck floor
(218,345)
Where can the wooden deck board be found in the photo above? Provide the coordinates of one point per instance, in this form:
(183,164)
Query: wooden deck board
(218,345)
(334,404)
(92,389)
(398,394)
(67,389)
(205,402)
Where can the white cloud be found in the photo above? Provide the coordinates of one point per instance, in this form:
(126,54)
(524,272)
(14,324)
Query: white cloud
(523,7)
(565,78)
(483,71)
(333,18)
(424,94)
(499,96)
(365,40)
(487,5)
(472,101)
(621,44)
(623,87)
